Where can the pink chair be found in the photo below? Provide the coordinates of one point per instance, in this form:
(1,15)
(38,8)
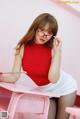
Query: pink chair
(24,99)
(74,112)
(28,106)
(77,102)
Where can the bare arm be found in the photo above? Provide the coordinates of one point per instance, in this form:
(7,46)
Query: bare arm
(54,71)
(16,68)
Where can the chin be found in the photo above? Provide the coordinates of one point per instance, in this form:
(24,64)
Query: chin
(40,43)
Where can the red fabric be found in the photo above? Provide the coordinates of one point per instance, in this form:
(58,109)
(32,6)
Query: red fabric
(5,96)
(77,102)
(36,62)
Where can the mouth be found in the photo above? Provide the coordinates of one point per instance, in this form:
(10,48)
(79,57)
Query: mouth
(43,40)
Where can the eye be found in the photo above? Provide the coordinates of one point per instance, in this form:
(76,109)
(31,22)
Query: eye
(42,29)
(50,32)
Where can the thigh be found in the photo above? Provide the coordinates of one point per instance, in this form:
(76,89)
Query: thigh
(63,102)
(52,108)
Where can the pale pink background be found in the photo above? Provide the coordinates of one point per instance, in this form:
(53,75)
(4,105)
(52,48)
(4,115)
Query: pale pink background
(16,17)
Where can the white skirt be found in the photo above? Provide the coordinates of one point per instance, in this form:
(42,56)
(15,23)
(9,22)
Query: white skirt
(64,86)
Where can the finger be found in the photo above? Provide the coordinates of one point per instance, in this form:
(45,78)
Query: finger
(57,38)
(59,41)
(56,42)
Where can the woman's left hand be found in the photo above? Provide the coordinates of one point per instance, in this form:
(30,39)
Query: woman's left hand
(57,44)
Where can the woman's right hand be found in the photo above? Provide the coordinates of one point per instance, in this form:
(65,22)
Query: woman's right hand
(9,77)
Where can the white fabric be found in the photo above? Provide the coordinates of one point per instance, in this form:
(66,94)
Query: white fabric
(25,84)
(65,85)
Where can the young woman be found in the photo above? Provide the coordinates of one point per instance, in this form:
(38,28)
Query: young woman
(39,54)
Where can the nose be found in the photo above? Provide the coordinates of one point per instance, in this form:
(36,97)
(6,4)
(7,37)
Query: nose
(45,34)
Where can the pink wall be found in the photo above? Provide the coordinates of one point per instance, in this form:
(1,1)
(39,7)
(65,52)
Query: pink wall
(15,18)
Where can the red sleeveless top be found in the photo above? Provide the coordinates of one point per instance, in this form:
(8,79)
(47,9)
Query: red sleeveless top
(36,62)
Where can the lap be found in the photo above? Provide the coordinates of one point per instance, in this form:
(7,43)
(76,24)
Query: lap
(66,85)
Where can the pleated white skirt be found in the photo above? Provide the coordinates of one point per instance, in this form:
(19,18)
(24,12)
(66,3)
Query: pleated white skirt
(65,85)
